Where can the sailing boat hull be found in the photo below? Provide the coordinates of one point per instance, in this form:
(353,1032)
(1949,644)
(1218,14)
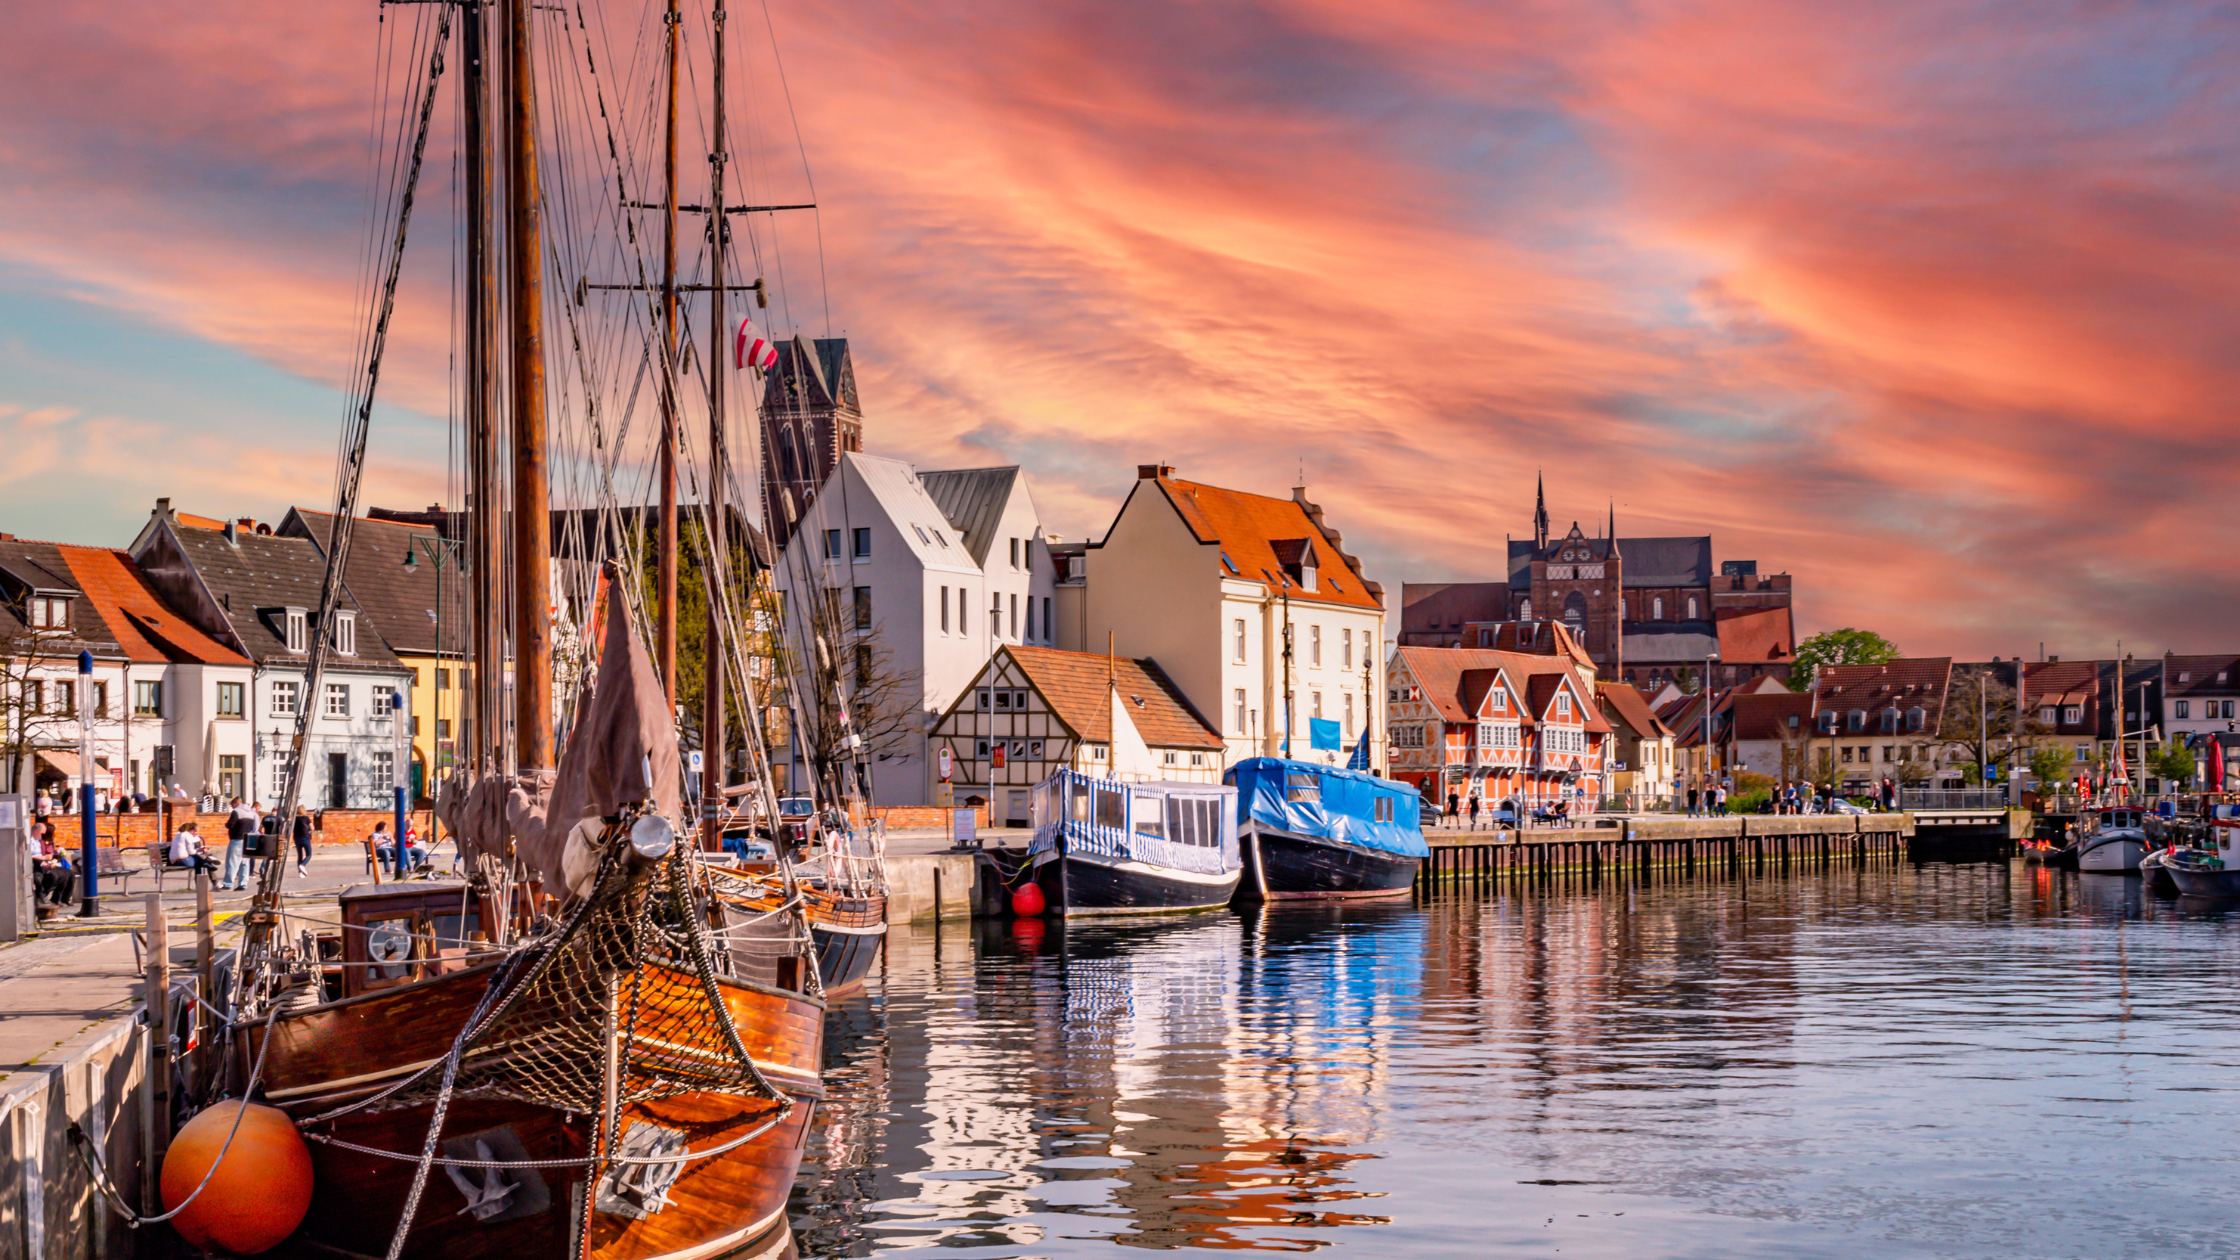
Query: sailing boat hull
(1287,866)
(849,933)
(342,1052)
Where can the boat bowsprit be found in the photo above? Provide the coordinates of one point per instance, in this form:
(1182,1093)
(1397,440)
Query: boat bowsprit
(1308,831)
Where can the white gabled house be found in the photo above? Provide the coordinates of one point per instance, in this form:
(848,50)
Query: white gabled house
(928,573)
(1207,581)
(256,593)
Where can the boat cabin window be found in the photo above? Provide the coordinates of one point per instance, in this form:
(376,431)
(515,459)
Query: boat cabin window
(1194,820)
(1384,808)
(1112,807)
(1080,801)
(1148,819)
(397,938)
(1302,787)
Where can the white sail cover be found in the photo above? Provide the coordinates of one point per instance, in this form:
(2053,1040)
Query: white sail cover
(1131,757)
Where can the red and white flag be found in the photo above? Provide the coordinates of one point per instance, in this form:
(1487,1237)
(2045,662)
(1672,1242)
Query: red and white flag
(751,348)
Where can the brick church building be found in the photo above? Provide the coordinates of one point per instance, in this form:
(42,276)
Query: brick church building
(810,418)
(1645,609)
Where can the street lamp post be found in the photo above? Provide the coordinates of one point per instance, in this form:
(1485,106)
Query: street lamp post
(441,551)
(90,868)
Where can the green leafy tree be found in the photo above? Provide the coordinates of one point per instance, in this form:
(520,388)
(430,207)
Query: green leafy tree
(2049,765)
(1838,647)
(2172,763)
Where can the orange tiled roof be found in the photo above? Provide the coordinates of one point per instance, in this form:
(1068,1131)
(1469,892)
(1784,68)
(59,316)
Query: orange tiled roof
(1076,686)
(1628,705)
(1755,634)
(1253,531)
(146,630)
(1452,678)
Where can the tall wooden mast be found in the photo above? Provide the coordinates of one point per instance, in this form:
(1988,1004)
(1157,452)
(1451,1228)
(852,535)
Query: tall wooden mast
(532,511)
(665,550)
(482,725)
(719,531)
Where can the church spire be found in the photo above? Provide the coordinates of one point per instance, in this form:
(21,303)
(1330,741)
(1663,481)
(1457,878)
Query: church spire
(1613,528)
(1540,512)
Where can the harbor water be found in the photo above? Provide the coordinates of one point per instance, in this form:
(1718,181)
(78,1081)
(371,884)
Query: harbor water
(1889,1060)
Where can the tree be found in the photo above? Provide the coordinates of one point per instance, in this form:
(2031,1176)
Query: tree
(33,707)
(1838,647)
(1986,739)
(2172,763)
(1823,768)
(2050,765)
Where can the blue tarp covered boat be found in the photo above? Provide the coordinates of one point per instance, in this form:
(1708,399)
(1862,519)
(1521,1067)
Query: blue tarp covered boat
(1307,830)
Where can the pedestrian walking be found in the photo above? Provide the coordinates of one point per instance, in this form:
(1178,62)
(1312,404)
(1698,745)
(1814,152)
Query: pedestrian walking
(1474,805)
(1454,807)
(303,842)
(1694,796)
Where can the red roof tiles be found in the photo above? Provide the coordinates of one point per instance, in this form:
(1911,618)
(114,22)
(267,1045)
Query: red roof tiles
(1256,531)
(145,629)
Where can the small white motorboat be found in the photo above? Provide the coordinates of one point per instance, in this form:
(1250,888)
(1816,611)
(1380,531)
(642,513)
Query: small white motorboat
(2213,870)
(2116,843)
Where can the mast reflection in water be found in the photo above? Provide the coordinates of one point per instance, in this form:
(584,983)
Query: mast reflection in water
(1935,1061)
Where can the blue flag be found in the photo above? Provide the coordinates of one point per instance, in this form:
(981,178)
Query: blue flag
(1360,758)
(1324,734)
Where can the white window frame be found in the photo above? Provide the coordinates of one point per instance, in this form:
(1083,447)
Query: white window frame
(1242,729)
(384,702)
(1240,652)
(336,703)
(944,610)
(384,772)
(346,634)
(285,695)
(1314,647)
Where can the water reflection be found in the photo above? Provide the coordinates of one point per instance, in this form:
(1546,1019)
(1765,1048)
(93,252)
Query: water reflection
(1949,1060)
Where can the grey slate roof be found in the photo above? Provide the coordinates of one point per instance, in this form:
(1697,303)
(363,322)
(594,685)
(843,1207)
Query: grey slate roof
(399,604)
(1648,561)
(1674,642)
(973,499)
(261,571)
(27,566)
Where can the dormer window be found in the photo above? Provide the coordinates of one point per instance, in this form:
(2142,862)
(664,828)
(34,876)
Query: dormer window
(48,612)
(346,633)
(293,622)
(1563,704)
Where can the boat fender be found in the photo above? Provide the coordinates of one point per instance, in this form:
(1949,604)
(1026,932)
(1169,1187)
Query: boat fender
(259,1191)
(1026,901)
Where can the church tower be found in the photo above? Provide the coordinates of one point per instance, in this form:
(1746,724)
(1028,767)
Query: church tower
(810,418)
(1540,513)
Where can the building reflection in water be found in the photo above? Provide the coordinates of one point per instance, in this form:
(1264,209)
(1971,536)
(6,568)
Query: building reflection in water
(1736,1059)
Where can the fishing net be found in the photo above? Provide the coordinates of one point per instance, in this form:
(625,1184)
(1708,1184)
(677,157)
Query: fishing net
(634,965)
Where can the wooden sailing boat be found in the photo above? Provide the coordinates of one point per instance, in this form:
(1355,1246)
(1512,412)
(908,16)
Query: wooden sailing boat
(580,1050)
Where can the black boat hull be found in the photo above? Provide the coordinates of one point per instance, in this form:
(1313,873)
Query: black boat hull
(1075,884)
(1285,866)
(848,939)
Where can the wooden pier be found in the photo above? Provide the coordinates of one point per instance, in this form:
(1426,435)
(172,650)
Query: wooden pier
(1641,849)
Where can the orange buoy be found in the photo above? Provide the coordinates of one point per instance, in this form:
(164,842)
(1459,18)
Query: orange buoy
(1026,901)
(260,1191)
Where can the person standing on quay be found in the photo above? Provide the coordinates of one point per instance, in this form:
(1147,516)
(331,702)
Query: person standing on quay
(240,821)
(1693,798)
(1454,806)
(1474,804)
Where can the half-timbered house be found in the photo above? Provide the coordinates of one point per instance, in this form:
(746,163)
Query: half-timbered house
(1035,710)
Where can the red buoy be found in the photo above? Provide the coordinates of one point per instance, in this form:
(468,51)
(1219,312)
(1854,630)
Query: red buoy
(1026,901)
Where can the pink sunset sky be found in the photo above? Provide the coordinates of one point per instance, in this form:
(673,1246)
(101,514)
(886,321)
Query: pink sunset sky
(1930,305)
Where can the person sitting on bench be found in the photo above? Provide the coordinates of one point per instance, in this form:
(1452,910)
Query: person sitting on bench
(385,848)
(186,850)
(53,879)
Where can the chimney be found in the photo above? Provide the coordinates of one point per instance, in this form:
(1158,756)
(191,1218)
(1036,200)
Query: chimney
(163,507)
(233,532)
(1148,472)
